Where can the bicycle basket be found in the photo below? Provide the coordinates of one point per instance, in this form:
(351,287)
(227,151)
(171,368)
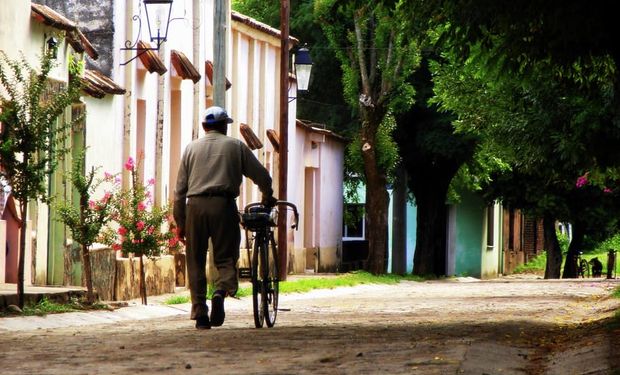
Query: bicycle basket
(256,220)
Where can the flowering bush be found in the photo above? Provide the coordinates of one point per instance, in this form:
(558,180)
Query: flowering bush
(139,221)
(86,219)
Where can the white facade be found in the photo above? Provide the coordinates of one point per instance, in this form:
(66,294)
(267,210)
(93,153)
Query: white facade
(160,113)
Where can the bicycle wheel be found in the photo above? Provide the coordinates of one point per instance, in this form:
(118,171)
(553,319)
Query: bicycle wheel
(585,268)
(257,284)
(271,282)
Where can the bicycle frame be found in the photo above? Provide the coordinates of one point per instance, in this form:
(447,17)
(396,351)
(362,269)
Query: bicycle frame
(264,259)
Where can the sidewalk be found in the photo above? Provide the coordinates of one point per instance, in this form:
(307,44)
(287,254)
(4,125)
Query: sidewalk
(33,294)
(128,310)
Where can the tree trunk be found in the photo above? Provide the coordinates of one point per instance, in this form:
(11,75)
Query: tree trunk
(554,253)
(376,196)
(23,205)
(88,276)
(399,223)
(576,244)
(430,250)
(142,281)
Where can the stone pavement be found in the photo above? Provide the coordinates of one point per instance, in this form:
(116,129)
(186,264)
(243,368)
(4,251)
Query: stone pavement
(461,326)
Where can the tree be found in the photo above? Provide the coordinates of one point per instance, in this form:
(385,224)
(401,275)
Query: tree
(376,55)
(432,154)
(32,132)
(87,219)
(547,124)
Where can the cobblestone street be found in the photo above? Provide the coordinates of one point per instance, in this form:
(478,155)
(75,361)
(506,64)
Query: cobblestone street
(463,326)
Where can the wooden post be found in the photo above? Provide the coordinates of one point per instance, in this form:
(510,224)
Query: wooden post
(283,155)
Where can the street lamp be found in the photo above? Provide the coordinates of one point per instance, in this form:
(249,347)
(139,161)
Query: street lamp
(156,11)
(303,68)
(157,20)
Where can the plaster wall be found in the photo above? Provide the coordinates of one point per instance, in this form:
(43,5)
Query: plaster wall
(469,235)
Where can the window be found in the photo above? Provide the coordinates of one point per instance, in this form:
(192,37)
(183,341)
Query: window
(354,226)
(490,226)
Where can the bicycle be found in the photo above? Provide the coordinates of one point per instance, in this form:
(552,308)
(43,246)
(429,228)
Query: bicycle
(582,266)
(264,263)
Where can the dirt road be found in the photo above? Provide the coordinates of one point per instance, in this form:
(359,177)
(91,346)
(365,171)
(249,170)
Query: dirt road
(462,326)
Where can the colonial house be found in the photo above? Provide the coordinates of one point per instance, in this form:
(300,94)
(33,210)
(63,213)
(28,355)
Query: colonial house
(147,103)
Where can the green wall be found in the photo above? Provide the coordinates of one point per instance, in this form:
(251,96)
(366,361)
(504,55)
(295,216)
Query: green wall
(469,235)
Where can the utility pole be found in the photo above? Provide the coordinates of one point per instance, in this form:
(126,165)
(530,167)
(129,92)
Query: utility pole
(283,155)
(196,59)
(220,32)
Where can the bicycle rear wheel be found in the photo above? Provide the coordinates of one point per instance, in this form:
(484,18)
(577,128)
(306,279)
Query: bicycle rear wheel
(271,283)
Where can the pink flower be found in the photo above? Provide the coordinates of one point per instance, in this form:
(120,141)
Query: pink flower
(173,242)
(141,206)
(150,230)
(607,190)
(117,180)
(107,176)
(91,204)
(106,197)
(116,247)
(129,165)
(582,180)
(140,225)
(151,182)
(122,231)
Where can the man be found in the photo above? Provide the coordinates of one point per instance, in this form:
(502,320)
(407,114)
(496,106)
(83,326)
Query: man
(204,207)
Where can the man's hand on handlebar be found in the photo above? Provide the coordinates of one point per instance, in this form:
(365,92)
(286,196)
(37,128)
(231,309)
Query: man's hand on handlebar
(269,201)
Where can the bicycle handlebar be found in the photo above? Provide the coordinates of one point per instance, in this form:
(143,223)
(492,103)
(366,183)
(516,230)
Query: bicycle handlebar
(278,203)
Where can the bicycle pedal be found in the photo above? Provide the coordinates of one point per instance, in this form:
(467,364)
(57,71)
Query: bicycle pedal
(245,273)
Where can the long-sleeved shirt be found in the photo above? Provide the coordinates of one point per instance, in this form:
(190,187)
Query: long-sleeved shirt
(216,163)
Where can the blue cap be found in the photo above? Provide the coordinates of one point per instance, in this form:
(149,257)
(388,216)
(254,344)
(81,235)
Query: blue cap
(216,114)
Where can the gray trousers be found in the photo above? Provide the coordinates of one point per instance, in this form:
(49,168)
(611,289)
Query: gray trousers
(216,218)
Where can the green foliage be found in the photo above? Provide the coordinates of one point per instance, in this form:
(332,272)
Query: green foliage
(45,306)
(33,133)
(616,293)
(140,223)
(536,265)
(87,219)
(386,148)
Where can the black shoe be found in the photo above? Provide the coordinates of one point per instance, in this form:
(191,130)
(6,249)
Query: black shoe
(202,322)
(217,308)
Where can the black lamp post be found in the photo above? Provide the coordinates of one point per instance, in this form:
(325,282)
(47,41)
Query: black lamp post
(303,68)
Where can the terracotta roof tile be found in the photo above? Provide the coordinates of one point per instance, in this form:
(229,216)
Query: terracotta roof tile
(50,17)
(183,66)
(98,85)
(257,25)
(274,138)
(149,58)
(250,138)
(209,72)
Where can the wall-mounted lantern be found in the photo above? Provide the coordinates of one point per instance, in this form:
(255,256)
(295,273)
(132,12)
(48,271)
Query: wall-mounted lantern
(52,46)
(303,68)
(157,20)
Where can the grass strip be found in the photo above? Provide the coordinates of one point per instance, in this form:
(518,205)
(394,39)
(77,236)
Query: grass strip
(307,284)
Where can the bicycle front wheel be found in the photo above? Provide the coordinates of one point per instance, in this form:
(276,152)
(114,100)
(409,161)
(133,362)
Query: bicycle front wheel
(257,284)
(270,282)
